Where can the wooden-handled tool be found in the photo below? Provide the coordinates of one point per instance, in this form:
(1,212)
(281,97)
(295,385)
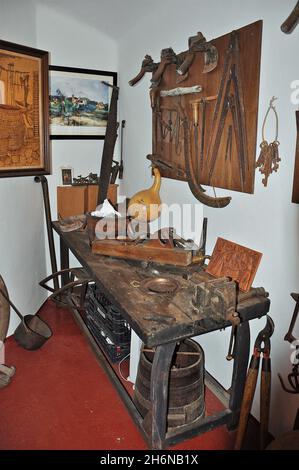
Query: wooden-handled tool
(293,377)
(289,335)
(261,346)
(147,65)
(292,20)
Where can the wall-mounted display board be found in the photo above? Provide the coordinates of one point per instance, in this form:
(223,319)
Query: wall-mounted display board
(205,108)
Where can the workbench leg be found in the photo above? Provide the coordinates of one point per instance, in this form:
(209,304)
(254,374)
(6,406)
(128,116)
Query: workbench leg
(159,394)
(64,262)
(241,358)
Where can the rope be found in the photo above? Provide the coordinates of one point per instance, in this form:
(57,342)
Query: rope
(270,107)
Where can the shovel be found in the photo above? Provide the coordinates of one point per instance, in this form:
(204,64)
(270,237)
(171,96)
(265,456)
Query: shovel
(32,332)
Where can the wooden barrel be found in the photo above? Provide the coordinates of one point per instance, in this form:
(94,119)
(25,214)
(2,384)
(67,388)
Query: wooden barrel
(186,385)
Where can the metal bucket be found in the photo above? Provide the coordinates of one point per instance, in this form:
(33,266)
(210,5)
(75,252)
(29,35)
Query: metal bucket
(32,332)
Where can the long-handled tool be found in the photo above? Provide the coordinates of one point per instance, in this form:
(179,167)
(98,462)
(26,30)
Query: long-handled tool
(261,346)
(43,180)
(289,335)
(121,166)
(292,20)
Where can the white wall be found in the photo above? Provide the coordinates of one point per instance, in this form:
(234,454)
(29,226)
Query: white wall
(73,44)
(266,221)
(22,250)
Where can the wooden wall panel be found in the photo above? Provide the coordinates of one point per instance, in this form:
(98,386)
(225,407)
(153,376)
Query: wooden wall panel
(168,133)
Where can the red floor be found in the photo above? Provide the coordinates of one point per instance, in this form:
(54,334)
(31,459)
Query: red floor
(61,399)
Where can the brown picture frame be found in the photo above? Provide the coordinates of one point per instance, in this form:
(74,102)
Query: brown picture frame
(24,104)
(78,97)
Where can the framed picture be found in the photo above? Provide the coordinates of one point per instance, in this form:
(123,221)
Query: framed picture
(66,176)
(24,102)
(79,102)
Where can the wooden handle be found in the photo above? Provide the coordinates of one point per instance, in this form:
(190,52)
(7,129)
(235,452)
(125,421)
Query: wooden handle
(137,78)
(291,22)
(249,390)
(265,401)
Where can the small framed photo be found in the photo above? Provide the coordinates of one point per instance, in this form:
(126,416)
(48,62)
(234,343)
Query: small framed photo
(66,176)
(79,102)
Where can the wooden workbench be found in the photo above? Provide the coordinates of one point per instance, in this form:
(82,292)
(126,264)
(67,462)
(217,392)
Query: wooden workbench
(160,320)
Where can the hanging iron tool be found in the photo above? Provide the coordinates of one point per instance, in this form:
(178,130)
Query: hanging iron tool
(195,133)
(200,105)
(262,346)
(289,335)
(197,43)
(230,97)
(147,65)
(293,377)
(109,143)
(114,171)
(292,20)
(121,166)
(241,297)
(228,150)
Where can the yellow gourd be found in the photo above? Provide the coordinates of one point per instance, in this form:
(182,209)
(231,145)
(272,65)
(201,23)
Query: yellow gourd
(145,205)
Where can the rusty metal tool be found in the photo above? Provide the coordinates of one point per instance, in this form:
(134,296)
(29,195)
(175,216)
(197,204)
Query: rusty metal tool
(230,96)
(195,187)
(262,346)
(203,104)
(293,379)
(121,165)
(228,150)
(109,143)
(289,335)
(195,132)
(241,297)
(235,321)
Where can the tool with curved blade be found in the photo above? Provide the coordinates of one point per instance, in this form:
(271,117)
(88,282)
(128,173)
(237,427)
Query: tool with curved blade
(196,189)
(292,20)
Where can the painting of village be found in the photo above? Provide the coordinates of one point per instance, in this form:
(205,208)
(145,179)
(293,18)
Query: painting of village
(79,104)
